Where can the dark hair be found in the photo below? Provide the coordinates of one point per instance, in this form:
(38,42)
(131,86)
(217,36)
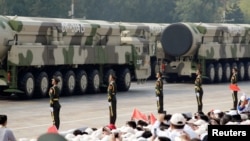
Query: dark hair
(77,132)
(235,69)
(132,124)
(142,123)
(160,74)
(146,134)
(3,119)
(56,79)
(164,139)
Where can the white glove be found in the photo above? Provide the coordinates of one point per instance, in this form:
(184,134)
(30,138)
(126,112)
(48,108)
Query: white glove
(197,94)
(51,109)
(157,98)
(109,103)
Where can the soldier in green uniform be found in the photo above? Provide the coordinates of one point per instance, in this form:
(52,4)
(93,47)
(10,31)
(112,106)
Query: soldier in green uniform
(159,92)
(112,98)
(234,93)
(54,102)
(199,90)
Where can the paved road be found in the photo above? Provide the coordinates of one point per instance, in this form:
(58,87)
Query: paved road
(31,118)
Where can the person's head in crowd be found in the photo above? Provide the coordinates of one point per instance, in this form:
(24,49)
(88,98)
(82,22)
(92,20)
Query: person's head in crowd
(77,132)
(187,116)
(217,114)
(198,114)
(131,124)
(3,120)
(214,121)
(177,121)
(142,123)
(146,134)
(51,137)
(225,119)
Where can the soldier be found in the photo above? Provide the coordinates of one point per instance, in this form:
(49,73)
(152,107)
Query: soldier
(199,90)
(54,102)
(159,92)
(112,99)
(234,92)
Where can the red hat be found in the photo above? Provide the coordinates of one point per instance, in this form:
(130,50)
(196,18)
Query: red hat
(111,126)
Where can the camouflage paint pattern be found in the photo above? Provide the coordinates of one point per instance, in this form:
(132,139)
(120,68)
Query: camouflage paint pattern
(212,43)
(40,42)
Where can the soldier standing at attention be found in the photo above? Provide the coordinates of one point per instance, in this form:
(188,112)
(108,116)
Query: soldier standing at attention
(199,90)
(159,92)
(112,99)
(234,92)
(54,102)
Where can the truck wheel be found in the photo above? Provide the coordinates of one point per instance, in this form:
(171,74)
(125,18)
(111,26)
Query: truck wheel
(226,72)
(28,85)
(42,84)
(218,72)
(81,82)
(69,83)
(124,80)
(241,71)
(211,72)
(94,82)
(247,70)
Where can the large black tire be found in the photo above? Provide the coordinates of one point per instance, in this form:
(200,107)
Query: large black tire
(241,71)
(81,82)
(94,82)
(69,83)
(124,80)
(226,72)
(59,75)
(42,84)
(27,84)
(211,73)
(218,72)
(247,71)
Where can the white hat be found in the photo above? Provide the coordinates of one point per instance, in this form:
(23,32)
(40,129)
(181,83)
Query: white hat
(243,97)
(177,119)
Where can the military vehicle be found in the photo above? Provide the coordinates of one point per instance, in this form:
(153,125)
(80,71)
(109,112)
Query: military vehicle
(81,53)
(214,48)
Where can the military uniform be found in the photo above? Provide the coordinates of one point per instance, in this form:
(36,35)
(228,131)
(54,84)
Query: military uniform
(55,105)
(234,93)
(159,94)
(112,101)
(199,92)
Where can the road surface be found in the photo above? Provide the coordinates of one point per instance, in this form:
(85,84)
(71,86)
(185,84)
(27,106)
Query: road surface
(31,118)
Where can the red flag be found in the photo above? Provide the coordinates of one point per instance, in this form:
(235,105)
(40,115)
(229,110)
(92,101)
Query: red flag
(152,118)
(234,87)
(138,115)
(52,129)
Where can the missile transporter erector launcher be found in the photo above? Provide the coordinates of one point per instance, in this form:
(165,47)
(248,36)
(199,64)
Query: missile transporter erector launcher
(215,48)
(81,53)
